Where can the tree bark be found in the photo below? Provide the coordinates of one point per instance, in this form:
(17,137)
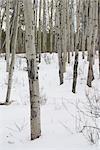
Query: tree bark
(59,39)
(11,69)
(44,27)
(39,33)
(99,33)
(75,69)
(32,70)
(7,35)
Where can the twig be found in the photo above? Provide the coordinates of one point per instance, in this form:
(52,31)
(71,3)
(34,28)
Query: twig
(89,127)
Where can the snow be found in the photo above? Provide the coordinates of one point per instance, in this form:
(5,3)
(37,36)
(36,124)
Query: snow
(58,121)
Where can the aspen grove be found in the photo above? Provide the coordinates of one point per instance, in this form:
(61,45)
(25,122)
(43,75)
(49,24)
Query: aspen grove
(36,27)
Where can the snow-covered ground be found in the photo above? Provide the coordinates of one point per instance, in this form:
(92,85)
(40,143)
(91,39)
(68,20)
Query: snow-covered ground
(58,121)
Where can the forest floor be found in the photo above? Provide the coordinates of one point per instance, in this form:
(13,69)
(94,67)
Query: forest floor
(59,113)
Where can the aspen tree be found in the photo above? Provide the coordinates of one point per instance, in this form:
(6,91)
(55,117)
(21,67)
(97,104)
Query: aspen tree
(39,33)
(90,44)
(72,27)
(95,28)
(7,35)
(68,29)
(59,39)
(83,28)
(44,27)
(11,69)
(55,26)
(32,69)
(64,35)
(12,23)
(89,28)
(90,50)
(75,69)
(35,5)
(99,33)
(94,5)
(51,28)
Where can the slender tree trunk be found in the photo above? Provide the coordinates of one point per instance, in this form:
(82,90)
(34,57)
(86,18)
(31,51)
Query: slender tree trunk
(68,28)
(84,26)
(99,33)
(39,33)
(32,70)
(72,27)
(89,29)
(64,35)
(7,35)
(44,27)
(51,28)
(35,5)
(75,69)
(75,72)
(94,17)
(11,69)
(59,39)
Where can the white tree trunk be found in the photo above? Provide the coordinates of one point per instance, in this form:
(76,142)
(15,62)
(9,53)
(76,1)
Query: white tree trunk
(11,69)
(44,27)
(7,35)
(99,34)
(59,39)
(75,69)
(39,33)
(51,28)
(32,70)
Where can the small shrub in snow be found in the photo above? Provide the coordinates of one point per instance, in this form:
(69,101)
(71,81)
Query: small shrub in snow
(89,116)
